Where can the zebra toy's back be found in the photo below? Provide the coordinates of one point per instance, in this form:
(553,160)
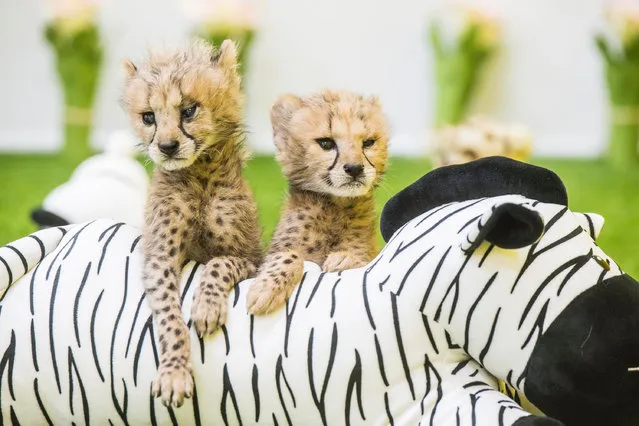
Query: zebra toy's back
(501,283)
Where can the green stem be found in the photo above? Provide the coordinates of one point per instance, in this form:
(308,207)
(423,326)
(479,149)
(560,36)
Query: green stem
(457,74)
(449,109)
(622,151)
(77,146)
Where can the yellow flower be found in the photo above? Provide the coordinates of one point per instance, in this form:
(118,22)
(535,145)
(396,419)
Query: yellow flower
(70,25)
(71,16)
(233,14)
(488,25)
(631,32)
(624,19)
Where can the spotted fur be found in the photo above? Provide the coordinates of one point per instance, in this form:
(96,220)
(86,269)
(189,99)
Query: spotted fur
(332,147)
(186,108)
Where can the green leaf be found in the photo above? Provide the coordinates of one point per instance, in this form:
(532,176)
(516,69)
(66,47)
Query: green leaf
(436,39)
(631,49)
(604,47)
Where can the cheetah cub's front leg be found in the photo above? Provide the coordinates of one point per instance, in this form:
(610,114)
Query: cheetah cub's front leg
(235,239)
(283,266)
(163,241)
(210,302)
(355,249)
(275,281)
(342,260)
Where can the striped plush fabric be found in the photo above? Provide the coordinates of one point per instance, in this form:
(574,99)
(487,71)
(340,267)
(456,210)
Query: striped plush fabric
(419,336)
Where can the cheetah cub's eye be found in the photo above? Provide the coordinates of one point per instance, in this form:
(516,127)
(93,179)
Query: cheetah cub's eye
(148,118)
(189,112)
(326,143)
(368,143)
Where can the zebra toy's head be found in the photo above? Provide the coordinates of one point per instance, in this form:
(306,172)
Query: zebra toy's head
(493,256)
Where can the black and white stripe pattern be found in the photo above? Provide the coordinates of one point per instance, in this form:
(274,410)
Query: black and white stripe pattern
(416,337)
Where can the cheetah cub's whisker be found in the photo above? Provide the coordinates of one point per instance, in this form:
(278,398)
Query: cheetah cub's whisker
(186,108)
(332,147)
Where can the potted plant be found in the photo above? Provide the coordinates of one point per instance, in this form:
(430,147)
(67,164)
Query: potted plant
(619,47)
(73,35)
(459,59)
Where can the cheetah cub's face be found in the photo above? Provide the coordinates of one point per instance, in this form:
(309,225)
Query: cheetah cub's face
(183,102)
(332,142)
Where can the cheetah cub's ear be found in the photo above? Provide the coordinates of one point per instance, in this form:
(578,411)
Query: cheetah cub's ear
(281,113)
(129,67)
(374,100)
(226,57)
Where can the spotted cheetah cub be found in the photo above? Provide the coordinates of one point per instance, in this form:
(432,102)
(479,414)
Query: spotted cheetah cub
(186,107)
(332,147)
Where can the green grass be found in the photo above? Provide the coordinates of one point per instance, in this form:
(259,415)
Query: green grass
(592,187)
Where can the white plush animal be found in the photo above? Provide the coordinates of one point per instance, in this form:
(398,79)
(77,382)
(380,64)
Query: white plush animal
(479,137)
(111,185)
(467,291)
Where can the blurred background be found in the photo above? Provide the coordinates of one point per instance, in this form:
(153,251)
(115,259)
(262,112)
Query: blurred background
(553,82)
(547,74)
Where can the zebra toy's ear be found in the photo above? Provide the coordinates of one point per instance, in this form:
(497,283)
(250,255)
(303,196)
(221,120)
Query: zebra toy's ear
(486,177)
(591,222)
(508,225)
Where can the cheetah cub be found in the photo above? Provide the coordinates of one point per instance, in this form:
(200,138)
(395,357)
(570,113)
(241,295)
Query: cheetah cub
(332,147)
(186,107)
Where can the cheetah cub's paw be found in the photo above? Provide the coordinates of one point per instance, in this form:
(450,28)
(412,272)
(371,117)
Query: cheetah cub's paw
(266,295)
(341,260)
(208,313)
(173,383)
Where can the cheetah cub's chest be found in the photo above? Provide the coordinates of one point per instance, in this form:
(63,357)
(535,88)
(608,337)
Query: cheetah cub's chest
(326,225)
(209,224)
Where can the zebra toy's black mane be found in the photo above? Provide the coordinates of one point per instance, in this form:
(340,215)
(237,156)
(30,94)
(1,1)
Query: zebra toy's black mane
(486,177)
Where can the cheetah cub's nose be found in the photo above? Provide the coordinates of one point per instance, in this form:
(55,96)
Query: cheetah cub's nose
(354,170)
(169,147)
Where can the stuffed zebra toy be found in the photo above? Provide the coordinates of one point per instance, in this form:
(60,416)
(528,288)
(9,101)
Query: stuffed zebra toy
(486,276)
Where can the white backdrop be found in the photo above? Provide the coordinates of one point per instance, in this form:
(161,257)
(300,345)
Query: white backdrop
(548,74)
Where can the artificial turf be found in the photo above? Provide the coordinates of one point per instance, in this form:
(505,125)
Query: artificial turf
(592,187)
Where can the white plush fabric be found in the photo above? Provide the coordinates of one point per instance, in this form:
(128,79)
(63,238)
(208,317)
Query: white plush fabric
(419,336)
(112,185)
